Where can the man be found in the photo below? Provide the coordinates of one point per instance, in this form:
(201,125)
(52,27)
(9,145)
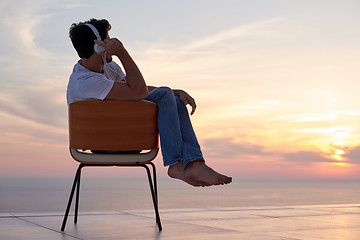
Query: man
(96,76)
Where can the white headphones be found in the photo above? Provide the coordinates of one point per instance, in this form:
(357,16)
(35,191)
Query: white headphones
(97,47)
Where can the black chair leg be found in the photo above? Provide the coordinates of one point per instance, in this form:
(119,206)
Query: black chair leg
(155,181)
(76,181)
(76,186)
(77,195)
(154,198)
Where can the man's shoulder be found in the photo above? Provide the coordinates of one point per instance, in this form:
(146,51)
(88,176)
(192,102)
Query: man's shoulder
(80,72)
(78,68)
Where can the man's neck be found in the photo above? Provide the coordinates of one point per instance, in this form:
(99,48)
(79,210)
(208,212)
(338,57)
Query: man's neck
(92,64)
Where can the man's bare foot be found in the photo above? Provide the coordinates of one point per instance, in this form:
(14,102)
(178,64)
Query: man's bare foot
(198,171)
(177,171)
(197,174)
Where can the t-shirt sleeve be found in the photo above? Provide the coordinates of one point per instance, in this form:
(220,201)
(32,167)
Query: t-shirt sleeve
(120,74)
(95,87)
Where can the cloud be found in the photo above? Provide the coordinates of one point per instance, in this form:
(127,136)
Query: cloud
(34,79)
(353,155)
(41,104)
(73,4)
(184,60)
(228,147)
(306,157)
(310,117)
(241,31)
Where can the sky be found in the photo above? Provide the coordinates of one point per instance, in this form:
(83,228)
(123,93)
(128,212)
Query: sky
(276,82)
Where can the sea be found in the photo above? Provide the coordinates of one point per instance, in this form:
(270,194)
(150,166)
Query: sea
(26,195)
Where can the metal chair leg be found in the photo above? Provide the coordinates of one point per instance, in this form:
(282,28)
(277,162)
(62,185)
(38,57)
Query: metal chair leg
(77,195)
(153,198)
(76,186)
(77,175)
(155,180)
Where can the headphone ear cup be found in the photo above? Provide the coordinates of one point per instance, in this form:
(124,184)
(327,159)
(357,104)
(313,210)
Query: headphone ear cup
(98,48)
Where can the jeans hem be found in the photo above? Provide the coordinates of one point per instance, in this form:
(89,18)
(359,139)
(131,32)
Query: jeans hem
(192,160)
(170,164)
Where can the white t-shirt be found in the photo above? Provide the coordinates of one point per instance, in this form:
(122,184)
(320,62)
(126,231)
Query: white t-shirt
(85,84)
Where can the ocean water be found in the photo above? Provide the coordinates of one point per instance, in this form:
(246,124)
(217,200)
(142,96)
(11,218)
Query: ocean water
(21,195)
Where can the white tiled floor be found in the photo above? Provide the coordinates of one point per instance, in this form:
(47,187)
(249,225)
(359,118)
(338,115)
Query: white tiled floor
(330,222)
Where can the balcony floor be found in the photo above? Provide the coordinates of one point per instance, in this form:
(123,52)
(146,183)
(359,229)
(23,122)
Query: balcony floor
(310,222)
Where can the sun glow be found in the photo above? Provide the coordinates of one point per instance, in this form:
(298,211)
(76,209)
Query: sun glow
(337,157)
(339,143)
(341,164)
(340,152)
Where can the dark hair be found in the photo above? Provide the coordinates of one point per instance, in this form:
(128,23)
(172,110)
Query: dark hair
(82,37)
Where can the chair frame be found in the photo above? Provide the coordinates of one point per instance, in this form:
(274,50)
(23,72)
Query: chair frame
(76,186)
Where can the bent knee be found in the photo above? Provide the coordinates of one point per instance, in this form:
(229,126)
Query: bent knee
(165,91)
(178,101)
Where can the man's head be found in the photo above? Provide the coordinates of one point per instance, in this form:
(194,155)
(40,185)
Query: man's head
(82,37)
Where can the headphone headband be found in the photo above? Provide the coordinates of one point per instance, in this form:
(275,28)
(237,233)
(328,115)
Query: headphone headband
(97,48)
(95,31)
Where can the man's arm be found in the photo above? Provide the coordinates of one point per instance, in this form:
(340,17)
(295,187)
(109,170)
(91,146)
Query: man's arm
(135,86)
(186,99)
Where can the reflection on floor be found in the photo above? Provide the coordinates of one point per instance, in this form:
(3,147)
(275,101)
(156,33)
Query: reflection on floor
(330,222)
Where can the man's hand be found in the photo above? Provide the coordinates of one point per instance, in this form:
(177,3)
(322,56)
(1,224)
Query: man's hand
(112,46)
(186,99)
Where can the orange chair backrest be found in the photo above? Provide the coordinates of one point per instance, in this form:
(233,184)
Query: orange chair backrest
(113,125)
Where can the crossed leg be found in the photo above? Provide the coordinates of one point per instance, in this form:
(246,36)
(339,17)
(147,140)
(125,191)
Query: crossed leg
(178,141)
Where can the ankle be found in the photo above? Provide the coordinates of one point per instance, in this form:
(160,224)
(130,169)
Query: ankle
(194,164)
(175,168)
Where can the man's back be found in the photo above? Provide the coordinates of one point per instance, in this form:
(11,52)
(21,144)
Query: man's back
(85,84)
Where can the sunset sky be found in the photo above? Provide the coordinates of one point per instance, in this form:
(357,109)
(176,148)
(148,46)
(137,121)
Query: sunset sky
(277,83)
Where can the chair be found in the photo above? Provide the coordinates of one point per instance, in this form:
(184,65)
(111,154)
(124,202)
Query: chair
(112,125)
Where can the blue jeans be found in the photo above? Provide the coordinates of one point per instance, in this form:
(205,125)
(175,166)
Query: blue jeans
(177,137)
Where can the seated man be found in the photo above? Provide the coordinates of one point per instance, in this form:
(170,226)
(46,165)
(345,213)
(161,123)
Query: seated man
(96,76)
